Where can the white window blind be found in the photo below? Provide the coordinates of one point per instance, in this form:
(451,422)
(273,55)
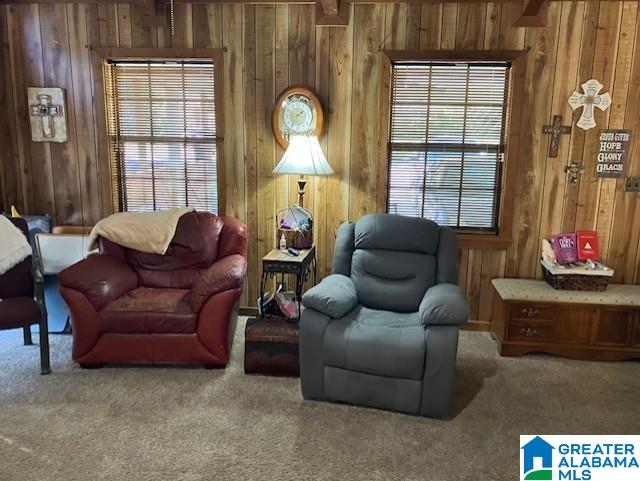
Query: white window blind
(447,142)
(162,132)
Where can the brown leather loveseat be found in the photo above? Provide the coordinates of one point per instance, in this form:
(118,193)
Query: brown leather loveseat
(127,306)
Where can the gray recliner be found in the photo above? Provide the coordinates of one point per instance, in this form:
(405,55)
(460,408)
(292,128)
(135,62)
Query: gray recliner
(382,329)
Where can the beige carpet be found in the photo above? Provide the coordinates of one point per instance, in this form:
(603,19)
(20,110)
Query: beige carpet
(173,424)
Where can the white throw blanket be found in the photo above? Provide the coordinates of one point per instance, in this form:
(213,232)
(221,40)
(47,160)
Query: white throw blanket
(14,247)
(150,232)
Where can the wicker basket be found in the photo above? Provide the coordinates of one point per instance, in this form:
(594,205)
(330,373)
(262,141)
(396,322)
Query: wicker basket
(300,239)
(576,282)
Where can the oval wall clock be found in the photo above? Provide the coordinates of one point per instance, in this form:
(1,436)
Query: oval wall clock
(297,111)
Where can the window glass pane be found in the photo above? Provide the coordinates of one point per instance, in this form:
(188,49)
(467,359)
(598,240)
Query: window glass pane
(162,122)
(447,142)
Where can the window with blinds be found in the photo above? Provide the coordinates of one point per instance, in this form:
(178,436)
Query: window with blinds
(447,142)
(162,134)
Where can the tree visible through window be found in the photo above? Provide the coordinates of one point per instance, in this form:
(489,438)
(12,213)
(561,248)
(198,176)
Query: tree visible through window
(447,142)
(162,132)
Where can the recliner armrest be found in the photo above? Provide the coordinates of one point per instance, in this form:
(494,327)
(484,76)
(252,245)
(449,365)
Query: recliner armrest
(226,273)
(334,296)
(101,278)
(444,304)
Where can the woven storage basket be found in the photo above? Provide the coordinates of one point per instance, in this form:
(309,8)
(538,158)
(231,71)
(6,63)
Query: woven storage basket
(576,282)
(300,239)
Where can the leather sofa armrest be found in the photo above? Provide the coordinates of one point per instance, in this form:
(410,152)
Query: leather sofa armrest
(334,296)
(225,274)
(444,304)
(101,278)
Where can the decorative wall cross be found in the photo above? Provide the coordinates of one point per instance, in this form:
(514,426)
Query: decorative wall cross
(47,114)
(590,98)
(556,129)
(46,111)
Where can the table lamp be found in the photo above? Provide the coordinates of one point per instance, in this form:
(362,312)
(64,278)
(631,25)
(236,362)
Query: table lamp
(303,157)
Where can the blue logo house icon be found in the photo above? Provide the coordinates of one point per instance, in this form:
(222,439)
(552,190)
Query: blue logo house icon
(537,448)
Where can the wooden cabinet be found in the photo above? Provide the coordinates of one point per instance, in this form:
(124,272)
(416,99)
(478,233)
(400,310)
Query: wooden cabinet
(530,316)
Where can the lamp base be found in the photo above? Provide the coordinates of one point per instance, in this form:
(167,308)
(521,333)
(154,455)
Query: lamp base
(302,182)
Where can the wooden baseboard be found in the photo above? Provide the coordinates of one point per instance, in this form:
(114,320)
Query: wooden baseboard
(248,311)
(476,326)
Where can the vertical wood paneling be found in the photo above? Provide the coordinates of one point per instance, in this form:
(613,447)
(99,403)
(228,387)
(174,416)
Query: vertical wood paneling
(250,150)
(576,147)
(57,71)
(521,257)
(431,27)
(124,25)
(619,92)
(339,113)
(33,76)
(87,170)
(17,118)
(265,93)
(269,47)
(604,65)
(623,255)
(413,26)
(10,183)
(470,26)
(566,68)
(368,42)
(320,196)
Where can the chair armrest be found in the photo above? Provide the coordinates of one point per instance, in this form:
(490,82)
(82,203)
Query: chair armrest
(334,296)
(101,278)
(226,273)
(444,304)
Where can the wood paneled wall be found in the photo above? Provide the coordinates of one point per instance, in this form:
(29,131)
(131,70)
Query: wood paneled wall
(269,47)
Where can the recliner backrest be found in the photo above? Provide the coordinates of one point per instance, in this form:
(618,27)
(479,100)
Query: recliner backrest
(395,259)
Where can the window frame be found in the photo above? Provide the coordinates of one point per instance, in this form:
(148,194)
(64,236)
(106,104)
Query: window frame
(502,239)
(104,54)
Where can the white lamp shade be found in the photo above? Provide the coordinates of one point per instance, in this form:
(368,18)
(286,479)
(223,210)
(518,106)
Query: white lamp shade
(303,157)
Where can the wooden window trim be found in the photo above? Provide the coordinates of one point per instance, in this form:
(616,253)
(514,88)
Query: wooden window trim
(100,55)
(518,58)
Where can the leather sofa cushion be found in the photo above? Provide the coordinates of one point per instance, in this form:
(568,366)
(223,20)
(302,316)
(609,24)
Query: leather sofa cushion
(394,281)
(148,310)
(18,311)
(397,233)
(178,279)
(101,278)
(194,246)
(376,342)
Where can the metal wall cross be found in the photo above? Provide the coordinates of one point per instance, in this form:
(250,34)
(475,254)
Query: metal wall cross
(46,111)
(556,129)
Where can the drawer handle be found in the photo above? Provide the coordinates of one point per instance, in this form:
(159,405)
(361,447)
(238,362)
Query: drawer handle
(528,331)
(530,311)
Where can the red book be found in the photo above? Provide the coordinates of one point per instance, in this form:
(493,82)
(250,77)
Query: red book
(588,248)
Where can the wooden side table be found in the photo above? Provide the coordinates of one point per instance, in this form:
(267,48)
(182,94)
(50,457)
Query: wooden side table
(281,263)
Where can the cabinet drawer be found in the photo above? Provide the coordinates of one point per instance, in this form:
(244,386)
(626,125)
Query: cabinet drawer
(534,330)
(531,311)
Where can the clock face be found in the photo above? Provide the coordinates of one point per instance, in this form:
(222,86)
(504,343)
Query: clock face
(298,116)
(297,111)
